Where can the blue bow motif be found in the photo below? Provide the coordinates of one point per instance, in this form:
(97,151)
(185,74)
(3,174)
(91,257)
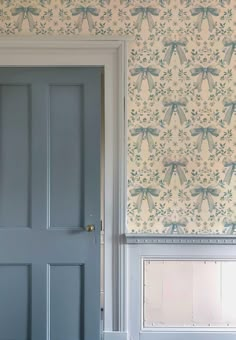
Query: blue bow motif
(103,2)
(145,194)
(145,73)
(175,227)
(145,133)
(175,167)
(223,2)
(144,13)
(25,13)
(231,108)
(175,45)
(205,13)
(85,13)
(126,2)
(230,171)
(205,134)
(231,46)
(43,2)
(205,73)
(175,106)
(205,194)
(67,3)
(230,227)
(163,3)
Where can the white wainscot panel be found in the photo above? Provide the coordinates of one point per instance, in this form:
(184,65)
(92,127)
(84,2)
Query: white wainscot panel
(229,292)
(189,293)
(206,293)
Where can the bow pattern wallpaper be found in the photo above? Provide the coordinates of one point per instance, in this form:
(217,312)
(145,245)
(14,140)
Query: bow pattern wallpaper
(181,101)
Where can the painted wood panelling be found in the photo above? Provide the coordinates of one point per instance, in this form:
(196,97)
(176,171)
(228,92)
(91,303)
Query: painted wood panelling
(15,297)
(66,145)
(189,294)
(67,302)
(15,155)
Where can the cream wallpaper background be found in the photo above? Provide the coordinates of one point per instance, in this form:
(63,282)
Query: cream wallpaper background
(181,101)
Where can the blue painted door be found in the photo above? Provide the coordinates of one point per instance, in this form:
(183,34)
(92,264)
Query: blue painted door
(49,191)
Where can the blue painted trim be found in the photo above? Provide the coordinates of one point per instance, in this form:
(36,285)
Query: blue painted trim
(179,239)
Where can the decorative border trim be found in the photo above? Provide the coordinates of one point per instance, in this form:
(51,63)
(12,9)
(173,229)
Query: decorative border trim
(179,239)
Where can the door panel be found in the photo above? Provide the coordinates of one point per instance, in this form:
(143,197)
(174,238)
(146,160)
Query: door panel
(14,150)
(66,301)
(66,156)
(50,182)
(15,295)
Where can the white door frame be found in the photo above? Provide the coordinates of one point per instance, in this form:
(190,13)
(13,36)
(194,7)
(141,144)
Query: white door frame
(111,54)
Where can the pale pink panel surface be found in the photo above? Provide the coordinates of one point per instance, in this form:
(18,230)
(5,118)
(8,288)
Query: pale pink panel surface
(189,293)
(153,297)
(167,293)
(229,293)
(177,293)
(207,293)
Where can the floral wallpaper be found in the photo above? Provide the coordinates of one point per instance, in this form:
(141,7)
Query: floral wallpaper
(181,102)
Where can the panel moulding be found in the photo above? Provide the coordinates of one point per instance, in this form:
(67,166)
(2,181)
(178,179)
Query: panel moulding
(180,239)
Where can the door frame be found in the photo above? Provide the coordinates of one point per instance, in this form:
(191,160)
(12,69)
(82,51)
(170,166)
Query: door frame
(110,53)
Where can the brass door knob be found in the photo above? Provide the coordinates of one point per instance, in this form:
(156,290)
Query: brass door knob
(89,228)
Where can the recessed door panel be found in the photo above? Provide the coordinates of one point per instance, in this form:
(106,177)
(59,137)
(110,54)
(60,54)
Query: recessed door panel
(15,128)
(66,157)
(15,301)
(67,302)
